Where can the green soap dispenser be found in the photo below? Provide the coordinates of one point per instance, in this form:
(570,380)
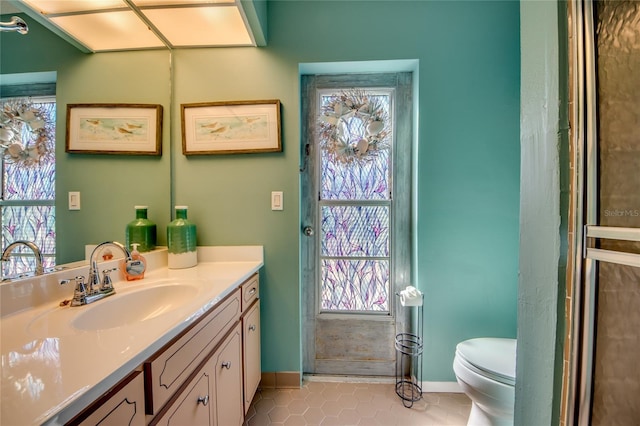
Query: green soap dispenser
(141,231)
(181,241)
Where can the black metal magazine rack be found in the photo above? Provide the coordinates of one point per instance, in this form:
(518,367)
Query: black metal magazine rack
(409,348)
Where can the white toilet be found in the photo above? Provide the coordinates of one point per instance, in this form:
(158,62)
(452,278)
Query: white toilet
(486,371)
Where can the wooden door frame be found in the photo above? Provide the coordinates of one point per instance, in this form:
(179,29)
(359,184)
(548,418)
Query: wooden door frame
(401,253)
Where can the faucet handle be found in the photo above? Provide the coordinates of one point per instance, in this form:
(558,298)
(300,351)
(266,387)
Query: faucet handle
(80,291)
(79,280)
(107,284)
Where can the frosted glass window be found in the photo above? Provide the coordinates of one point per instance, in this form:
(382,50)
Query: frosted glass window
(27,202)
(355,231)
(355,214)
(355,285)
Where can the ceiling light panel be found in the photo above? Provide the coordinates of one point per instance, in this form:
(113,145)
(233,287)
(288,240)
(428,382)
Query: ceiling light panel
(108,25)
(51,7)
(201,26)
(109,31)
(177,2)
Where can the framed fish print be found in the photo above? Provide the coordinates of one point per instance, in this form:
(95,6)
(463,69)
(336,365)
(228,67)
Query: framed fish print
(238,127)
(133,129)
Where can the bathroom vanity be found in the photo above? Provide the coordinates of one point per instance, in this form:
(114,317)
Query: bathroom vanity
(178,347)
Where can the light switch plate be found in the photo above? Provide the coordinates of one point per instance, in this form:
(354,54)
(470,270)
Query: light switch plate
(277,200)
(74,200)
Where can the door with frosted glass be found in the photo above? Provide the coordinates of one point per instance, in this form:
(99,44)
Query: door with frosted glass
(355,247)
(611,335)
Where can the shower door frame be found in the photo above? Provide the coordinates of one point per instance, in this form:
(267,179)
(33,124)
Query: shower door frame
(586,229)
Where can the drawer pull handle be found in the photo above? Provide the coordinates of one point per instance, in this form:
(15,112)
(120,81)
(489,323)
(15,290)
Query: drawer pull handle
(252,327)
(252,291)
(204,400)
(226,365)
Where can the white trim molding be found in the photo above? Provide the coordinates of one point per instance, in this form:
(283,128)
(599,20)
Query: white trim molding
(441,387)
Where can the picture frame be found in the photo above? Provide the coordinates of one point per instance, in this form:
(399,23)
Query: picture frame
(237,127)
(128,129)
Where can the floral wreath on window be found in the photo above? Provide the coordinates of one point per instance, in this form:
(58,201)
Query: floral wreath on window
(349,109)
(26,133)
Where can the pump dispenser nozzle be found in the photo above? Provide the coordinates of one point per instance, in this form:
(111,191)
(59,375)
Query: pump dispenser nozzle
(135,255)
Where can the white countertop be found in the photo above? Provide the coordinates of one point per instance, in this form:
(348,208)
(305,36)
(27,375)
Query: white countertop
(51,372)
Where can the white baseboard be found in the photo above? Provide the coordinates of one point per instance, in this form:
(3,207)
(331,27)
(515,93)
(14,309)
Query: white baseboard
(347,379)
(435,387)
(446,387)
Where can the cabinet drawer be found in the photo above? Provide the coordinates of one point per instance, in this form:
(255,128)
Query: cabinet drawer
(170,367)
(250,291)
(122,405)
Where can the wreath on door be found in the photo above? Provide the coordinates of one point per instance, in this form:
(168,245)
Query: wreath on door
(354,126)
(26,133)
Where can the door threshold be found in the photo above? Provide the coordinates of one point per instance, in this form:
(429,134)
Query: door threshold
(327,378)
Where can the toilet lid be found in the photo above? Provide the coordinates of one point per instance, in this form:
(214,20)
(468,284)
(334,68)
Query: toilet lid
(493,357)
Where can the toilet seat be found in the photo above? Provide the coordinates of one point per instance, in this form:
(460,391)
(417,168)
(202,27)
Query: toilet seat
(491,357)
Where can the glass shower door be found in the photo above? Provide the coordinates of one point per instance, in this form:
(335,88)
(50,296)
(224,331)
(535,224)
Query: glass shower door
(612,247)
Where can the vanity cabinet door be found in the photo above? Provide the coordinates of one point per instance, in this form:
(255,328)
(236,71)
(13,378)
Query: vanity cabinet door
(251,353)
(192,406)
(121,406)
(227,364)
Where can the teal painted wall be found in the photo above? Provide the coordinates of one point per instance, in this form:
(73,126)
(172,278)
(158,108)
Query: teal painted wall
(468,154)
(468,177)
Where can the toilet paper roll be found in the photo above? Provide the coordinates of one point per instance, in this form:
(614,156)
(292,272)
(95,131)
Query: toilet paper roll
(411,296)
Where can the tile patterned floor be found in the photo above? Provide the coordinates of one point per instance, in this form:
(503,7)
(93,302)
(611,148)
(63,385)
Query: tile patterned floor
(343,404)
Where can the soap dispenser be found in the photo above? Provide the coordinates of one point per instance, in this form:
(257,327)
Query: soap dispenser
(135,256)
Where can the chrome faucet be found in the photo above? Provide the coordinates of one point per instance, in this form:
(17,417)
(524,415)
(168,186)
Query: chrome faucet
(96,289)
(94,274)
(36,252)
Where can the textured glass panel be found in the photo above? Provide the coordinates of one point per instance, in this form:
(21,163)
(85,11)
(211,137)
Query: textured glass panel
(34,183)
(37,180)
(29,177)
(363,179)
(354,285)
(618,68)
(24,262)
(31,223)
(355,231)
(616,373)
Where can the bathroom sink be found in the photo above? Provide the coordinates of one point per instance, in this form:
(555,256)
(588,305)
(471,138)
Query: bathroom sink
(137,306)
(119,310)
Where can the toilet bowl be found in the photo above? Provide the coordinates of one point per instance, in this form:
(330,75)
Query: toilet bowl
(485,369)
